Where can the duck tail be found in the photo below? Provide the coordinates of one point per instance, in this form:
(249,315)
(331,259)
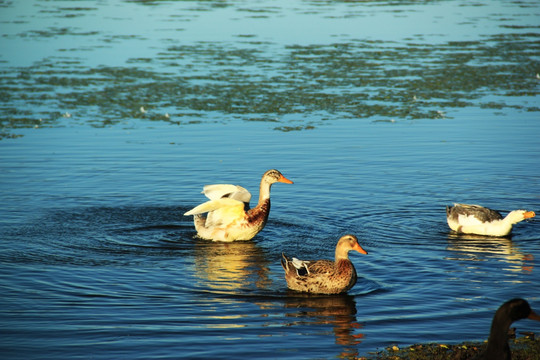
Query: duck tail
(285,262)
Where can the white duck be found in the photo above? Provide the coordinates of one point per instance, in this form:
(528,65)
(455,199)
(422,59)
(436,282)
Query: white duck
(229,217)
(479,220)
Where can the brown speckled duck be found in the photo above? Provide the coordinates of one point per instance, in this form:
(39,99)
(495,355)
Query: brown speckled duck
(228,216)
(324,276)
(479,220)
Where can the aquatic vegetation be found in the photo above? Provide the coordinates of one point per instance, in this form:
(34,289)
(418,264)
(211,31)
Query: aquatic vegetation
(249,78)
(522,348)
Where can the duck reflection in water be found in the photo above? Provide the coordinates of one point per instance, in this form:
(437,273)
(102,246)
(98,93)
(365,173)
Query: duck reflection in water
(476,247)
(231,266)
(339,311)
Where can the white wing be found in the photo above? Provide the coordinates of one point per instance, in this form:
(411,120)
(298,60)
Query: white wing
(298,264)
(218,191)
(221,212)
(219,204)
(469,220)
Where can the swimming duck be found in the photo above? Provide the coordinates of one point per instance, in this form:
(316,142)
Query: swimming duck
(479,220)
(324,276)
(229,216)
(510,311)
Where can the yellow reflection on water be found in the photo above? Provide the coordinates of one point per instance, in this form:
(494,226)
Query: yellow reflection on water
(338,311)
(478,248)
(231,266)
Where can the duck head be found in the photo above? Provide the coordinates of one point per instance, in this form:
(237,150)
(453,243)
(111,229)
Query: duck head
(347,243)
(273,176)
(519,215)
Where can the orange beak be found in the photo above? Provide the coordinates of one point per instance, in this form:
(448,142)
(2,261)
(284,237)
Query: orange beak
(534,316)
(283,179)
(358,248)
(529,214)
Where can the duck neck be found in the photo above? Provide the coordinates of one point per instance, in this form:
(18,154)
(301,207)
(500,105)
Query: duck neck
(498,337)
(264,192)
(260,212)
(341,255)
(512,218)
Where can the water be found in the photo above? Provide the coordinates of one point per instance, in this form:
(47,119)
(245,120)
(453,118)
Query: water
(379,127)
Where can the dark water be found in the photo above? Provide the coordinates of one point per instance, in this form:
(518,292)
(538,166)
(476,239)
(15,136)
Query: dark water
(381,113)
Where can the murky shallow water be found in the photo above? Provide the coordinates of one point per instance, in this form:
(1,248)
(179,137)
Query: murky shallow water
(391,126)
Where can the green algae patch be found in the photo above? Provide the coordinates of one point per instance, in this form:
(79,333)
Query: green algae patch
(356,79)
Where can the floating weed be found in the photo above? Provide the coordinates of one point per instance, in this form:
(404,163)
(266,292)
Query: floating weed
(523,348)
(354,79)
(294,128)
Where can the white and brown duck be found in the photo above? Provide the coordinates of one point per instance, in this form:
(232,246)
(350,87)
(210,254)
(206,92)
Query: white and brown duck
(324,276)
(479,220)
(228,215)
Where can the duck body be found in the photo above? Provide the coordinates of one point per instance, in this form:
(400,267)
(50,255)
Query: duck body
(510,311)
(228,214)
(479,220)
(324,276)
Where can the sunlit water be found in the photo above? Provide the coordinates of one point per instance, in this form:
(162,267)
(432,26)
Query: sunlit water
(381,114)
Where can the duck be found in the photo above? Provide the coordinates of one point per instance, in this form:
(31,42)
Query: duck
(479,220)
(324,276)
(510,311)
(228,214)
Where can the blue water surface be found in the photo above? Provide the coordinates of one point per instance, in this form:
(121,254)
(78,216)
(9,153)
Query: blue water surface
(96,257)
